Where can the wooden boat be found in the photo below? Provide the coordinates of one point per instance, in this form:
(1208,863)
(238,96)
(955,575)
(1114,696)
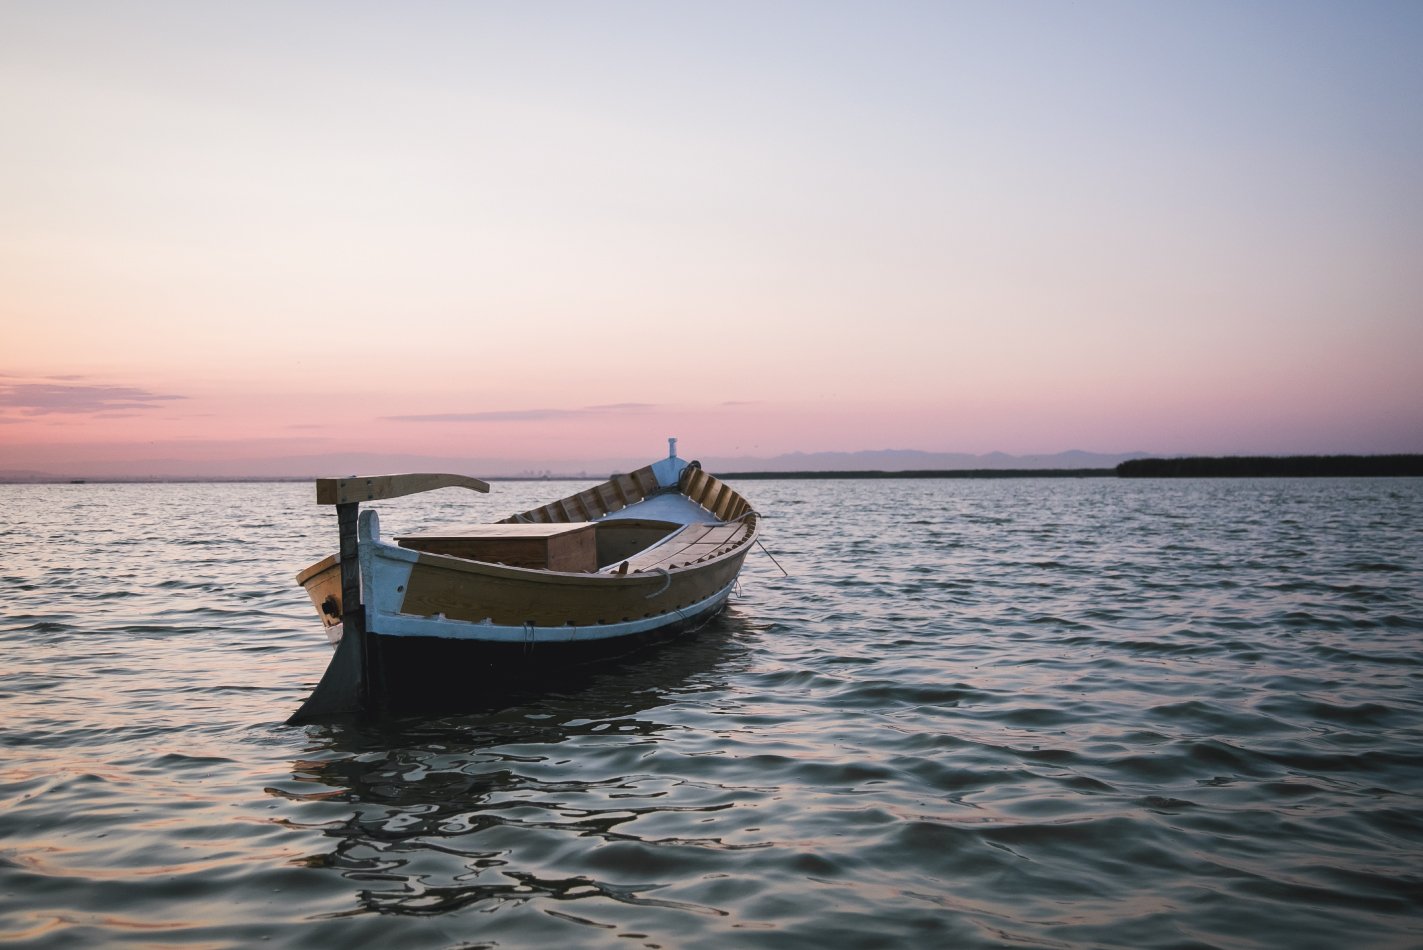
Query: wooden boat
(440,614)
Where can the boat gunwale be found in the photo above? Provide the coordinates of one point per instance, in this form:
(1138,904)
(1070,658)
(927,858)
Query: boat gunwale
(603,577)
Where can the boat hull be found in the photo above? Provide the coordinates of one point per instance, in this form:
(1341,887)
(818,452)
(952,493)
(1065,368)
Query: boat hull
(417,594)
(428,628)
(425,674)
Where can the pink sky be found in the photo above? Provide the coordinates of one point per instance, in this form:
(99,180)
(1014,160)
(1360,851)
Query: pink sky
(536,234)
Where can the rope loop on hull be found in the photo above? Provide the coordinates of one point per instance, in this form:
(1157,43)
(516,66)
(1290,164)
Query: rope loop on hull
(666,584)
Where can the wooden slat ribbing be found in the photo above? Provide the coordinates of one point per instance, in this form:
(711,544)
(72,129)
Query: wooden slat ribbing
(692,483)
(621,489)
(696,484)
(599,504)
(711,493)
(727,504)
(706,484)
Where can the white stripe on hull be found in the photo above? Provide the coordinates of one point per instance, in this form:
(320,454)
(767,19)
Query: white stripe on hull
(404,625)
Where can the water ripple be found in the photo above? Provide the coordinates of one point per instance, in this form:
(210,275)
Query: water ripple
(1078,713)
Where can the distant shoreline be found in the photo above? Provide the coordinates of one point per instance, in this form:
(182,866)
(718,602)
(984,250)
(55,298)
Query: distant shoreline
(929,473)
(728,476)
(1298,466)
(1294,466)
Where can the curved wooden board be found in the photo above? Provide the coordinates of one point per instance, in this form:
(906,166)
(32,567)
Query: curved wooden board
(356,488)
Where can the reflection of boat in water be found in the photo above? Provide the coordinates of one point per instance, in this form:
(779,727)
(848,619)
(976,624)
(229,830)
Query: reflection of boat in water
(439,616)
(449,811)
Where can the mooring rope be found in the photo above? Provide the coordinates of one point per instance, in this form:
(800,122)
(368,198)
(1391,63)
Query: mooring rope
(772,557)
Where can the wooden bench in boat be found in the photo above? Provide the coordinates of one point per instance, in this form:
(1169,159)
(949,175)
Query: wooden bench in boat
(690,544)
(568,547)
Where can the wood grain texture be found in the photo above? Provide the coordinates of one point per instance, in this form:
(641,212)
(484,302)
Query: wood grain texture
(358,488)
(322,582)
(555,547)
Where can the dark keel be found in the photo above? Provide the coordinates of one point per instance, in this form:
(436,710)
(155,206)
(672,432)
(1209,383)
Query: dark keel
(344,687)
(430,674)
(340,691)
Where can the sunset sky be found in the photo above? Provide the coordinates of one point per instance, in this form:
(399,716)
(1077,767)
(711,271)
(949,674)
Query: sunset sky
(234,232)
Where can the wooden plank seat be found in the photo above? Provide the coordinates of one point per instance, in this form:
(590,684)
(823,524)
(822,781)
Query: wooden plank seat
(688,545)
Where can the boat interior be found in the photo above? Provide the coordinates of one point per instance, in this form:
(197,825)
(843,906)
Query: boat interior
(626,525)
(609,546)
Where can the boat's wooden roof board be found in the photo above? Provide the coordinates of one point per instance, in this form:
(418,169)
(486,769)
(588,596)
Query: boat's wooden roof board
(358,488)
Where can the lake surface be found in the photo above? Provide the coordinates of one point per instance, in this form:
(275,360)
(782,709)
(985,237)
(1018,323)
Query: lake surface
(1023,713)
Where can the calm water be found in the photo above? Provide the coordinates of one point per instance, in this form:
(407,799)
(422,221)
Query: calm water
(1026,713)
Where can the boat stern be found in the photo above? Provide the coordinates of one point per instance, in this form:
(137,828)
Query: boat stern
(322,582)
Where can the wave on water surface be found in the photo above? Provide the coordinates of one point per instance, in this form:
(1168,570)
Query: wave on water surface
(1065,713)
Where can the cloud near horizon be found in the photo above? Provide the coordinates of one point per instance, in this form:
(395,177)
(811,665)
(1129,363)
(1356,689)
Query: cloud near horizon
(38,399)
(522,415)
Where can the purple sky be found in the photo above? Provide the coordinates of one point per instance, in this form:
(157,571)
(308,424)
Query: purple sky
(541,231)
